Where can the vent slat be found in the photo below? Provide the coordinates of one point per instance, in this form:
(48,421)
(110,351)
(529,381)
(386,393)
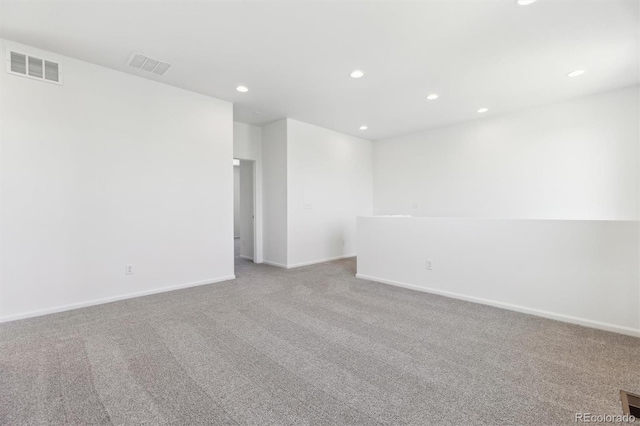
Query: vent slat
(51,71)
(138,60)
(35,67)
(18,63)
(161,68)
(150,64)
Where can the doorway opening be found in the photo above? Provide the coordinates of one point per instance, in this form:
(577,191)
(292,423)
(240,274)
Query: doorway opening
(244,215)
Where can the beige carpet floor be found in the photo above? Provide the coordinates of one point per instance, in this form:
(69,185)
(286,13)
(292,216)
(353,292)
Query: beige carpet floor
(312,345)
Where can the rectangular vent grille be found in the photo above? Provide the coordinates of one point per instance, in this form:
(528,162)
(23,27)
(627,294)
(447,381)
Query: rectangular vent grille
(33,67)
(630,403)
(144,63)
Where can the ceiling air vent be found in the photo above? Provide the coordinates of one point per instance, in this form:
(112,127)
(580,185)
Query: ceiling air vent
(144,63)
(33,67)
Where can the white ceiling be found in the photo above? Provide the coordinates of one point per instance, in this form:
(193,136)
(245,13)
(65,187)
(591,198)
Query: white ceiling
(296,56)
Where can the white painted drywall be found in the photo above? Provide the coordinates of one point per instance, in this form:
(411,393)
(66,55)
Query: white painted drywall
(247,145)
(584,272)
(571,160)
(557,188)
(247,207)
(105,170)
(329,185)
(274,193)
(236,201)
(247,141)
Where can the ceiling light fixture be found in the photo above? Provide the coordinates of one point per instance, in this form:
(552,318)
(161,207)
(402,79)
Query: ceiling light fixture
(363,127)
(432,96)
(525,2)
(356,74)
(576,73)
(483,110)
(242,89)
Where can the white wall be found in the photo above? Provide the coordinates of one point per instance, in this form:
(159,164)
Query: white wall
(247,145)
(274,192)
(571,160)
(558,186)
(236,201)
(247,208)
(584,272)
(106,170)
(329,185)
(247,141)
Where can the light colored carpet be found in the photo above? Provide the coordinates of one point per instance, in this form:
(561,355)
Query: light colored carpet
(312,345)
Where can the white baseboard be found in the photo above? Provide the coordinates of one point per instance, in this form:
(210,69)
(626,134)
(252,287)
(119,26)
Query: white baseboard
(111,299)
(314,262)
(545,314)
(246,257)
(279,265)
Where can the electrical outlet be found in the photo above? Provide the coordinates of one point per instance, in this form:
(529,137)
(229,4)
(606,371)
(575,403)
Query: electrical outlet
(128,269)
(429,264)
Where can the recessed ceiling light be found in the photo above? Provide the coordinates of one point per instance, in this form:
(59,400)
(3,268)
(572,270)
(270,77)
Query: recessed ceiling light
(432,96)
(525,2)
(483,110)
(242,89)
(576,73)
(356,74)
(363,127)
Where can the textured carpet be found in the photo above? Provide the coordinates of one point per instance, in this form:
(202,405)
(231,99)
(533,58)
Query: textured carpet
(312,345)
